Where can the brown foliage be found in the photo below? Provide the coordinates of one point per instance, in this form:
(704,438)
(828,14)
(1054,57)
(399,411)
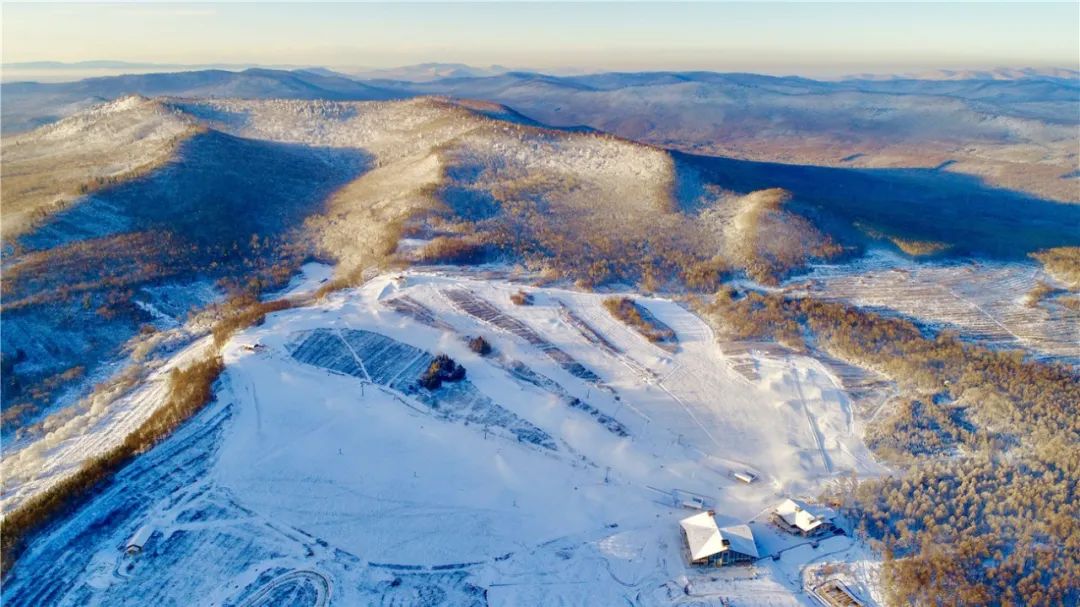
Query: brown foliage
(994,524)
(108,264)
(34,395)
(626,310)
(442,368)
(480,345)
(242,311)
(1041,291)
(453,250)
(521,298)
(1062,263)
(707,275)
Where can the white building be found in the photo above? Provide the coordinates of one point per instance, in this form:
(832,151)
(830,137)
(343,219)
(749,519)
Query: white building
(800,518)
(710,545)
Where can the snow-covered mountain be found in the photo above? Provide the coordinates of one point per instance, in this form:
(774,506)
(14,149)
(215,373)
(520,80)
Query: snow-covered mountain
(1017,133)
(105,208)
(352,181)
(48,168)
(28,104)
(1014,132)
(466,180)
(331,242)
(553,472)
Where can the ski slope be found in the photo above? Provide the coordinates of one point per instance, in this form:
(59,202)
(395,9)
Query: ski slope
(986,301)
(331,478)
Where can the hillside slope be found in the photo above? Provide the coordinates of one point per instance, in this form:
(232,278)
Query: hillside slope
(521,484)
(587,206)
(44,170)
(131,260)
(917,205)
(1018,134)
(257,185)
(30,104)
(260,186)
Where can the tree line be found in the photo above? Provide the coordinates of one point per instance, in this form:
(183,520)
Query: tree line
(986,444)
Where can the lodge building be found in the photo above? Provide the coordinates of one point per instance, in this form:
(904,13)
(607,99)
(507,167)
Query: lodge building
(708,544)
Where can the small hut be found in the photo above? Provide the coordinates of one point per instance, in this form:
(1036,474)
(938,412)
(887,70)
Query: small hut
(136,542)
(745,476)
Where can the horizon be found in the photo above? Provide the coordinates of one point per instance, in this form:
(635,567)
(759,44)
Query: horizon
(56,72)
(807,39)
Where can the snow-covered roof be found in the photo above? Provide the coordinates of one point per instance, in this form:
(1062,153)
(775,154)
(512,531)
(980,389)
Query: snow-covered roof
(745,476)
(141,536)
(702,535)
(706,539)
(740,539)
(799,514)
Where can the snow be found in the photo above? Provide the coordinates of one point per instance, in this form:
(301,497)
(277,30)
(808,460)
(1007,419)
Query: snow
(140,538)
(45,167)
(93,429)
(983,300)
(371,467)
(330,478)
(740,539)
(312,275)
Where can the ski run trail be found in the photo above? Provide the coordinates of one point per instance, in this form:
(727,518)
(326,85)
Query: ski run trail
(551,475)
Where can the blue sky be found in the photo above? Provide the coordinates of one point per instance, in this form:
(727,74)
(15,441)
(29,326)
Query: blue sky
(803,37)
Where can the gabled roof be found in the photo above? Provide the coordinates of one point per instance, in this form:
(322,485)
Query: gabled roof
(706,539)
(799,514)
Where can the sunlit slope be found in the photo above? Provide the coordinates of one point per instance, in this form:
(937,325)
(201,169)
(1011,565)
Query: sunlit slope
(216,189)
(217,213)
(255,186)
(1014,130)
(560,455)
(31,104)
(1016,133)
(584,205)
(44,170)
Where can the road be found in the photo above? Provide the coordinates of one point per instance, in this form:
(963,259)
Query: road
(318,580)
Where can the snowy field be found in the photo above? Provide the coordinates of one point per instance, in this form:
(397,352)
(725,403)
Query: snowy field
(324,475)
(982,300)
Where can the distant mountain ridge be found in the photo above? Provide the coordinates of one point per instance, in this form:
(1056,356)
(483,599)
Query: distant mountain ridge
(1000,73)
(30,104)
(426,72)
(109,64)
(1015,133)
